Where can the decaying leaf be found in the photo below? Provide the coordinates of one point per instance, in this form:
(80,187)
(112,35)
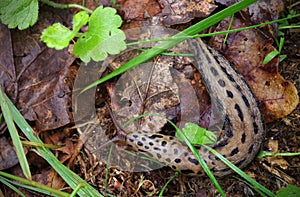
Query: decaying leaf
(37,78)
(247,49)
(178,12)
(8,156)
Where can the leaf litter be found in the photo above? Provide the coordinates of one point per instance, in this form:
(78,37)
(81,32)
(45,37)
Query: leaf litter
(122,183)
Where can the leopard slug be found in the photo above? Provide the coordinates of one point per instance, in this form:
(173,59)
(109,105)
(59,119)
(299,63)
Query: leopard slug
(243,130)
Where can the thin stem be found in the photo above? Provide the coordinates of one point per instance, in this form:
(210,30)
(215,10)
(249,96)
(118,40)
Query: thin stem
(64,6)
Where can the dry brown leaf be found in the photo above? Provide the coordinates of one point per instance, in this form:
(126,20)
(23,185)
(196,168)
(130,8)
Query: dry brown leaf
(247,49)
(138,9)
(8,156)
(178,12)
(37,78)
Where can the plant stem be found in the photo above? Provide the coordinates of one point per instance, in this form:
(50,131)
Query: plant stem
(64,6)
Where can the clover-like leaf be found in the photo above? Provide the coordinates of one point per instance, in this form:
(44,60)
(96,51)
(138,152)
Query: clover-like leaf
(58,36)
(103,36)
(21,13)
(196,134)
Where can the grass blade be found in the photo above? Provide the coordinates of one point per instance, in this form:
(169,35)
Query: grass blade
(14,135)
(255,184)
(72,179)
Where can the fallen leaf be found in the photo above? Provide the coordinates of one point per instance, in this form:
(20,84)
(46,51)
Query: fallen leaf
(8,156)
(178,12)
(277,97)
(38,79)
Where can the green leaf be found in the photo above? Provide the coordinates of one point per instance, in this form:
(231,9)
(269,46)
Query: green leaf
(103,36)
(22,13)
(58,36)
(270,56)
(290,190)
(196,134)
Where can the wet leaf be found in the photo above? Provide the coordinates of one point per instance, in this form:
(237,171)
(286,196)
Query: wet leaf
(19,13)
(247,49)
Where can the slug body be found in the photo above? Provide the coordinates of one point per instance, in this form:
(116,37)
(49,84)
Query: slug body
(243,130)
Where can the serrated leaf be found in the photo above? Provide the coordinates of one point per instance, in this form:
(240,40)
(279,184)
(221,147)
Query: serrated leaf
(103,36)
(58,36)
(15,13)
(80,19)
(196,134)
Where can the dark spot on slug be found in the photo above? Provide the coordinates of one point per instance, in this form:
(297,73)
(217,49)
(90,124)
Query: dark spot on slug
(221,83)
(227,120)
(146,147)
(158,155)
(207,58)
(156,148)
(185,154)
(229,133)
(217,158)
(177,160)
(221,144)
(250,149)
(168,160)
(165,150)
(246,101)
(214,71)
(155,136)
(229,94)
(175,151)
(239,111)
(238,87)
(171,138)
(243,139)
(143,139)
(139,143)
(151,143)
(163,143)
(135,136)
(225,170)
(255,127)
(187,171)
(216,58)
(131,140)
(229,76)
(173,167)
(234,151)
(194,161)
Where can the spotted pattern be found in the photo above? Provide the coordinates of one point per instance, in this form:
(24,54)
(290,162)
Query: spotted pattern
(229,93)
(234,151)
(243,139)
(239,111)
(243,129)
(221,83)
(214,71)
